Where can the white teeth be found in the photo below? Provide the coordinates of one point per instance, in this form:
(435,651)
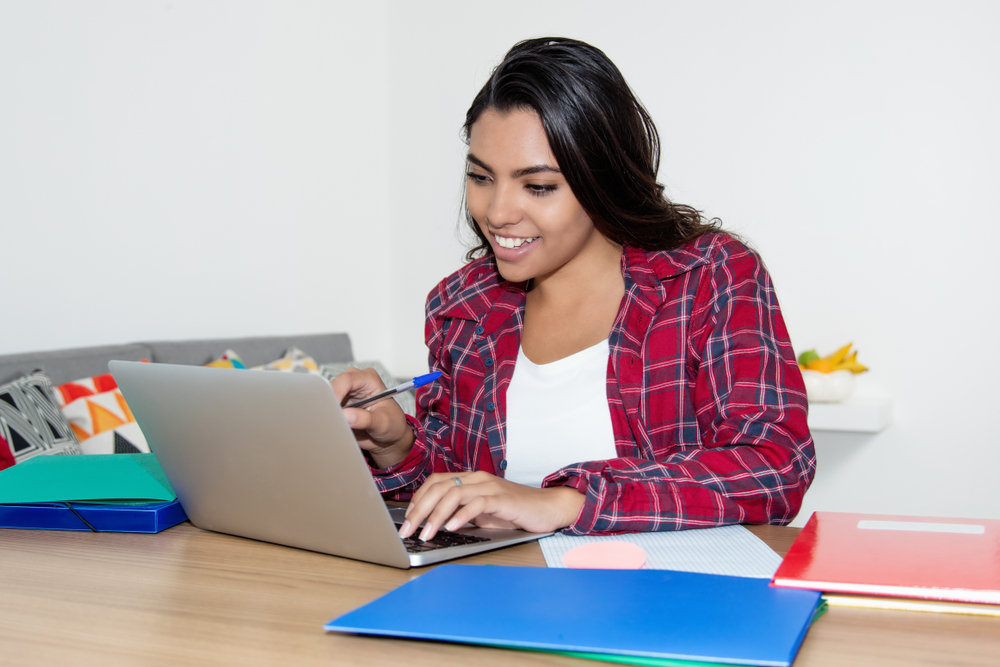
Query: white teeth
(512,242)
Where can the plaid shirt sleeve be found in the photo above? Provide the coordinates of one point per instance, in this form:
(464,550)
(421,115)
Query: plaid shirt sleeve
(456,420)
(707,402)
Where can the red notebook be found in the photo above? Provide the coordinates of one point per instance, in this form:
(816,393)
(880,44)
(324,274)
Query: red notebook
(900,556)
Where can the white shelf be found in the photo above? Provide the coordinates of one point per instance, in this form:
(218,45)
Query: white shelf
(856,414)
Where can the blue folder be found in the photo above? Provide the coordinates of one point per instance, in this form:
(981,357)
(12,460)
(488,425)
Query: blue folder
(641,613)
(100,518)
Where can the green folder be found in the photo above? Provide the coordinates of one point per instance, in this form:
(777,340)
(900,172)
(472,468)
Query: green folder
(627,659)
(95,478)
(654,662)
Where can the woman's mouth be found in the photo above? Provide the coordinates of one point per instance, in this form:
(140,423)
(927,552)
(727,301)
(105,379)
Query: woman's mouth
(512,241)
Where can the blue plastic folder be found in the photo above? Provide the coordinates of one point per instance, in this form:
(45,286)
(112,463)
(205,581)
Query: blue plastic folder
(641,613)
(100,518)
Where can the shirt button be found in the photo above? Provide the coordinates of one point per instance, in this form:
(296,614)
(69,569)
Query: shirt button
(490,406)
(488,362)
(503,464)
(480,330)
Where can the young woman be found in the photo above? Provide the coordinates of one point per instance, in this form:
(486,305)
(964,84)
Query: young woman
(611,362)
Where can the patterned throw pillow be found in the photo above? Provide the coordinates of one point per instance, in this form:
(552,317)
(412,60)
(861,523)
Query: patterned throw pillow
(30,420)
(229,359)
(99,416)
(407,400)
(294,361)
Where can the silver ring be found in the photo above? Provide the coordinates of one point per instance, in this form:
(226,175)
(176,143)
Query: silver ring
(457,481)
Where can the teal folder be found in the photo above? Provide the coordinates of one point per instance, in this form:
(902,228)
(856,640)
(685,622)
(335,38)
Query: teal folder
(639,613)
(88,478)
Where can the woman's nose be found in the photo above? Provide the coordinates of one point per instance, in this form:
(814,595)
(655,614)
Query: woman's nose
(504,208)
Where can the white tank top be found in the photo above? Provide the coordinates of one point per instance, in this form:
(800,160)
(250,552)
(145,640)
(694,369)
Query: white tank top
(558,414)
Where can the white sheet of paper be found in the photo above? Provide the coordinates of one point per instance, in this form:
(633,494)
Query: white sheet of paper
(729,550)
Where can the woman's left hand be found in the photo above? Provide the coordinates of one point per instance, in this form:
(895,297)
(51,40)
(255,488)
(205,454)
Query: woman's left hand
(489,502)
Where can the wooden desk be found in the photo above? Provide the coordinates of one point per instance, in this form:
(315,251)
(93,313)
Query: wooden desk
(190,597)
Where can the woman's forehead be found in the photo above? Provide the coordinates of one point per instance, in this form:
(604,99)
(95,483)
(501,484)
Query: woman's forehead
(510,140)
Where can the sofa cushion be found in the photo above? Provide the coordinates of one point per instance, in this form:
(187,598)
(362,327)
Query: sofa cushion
(252,351)
(292,361)
(31,422)
(67,365)
(229,359)
(99,417)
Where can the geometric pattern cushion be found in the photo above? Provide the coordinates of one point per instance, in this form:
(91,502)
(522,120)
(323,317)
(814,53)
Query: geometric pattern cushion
(30,420)
(294,361)
(229,359)
(407,400)
(99,416)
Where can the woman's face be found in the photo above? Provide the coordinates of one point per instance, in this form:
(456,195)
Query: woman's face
(521,201)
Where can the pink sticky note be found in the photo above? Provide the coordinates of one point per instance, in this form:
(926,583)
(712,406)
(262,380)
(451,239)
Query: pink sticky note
(605,556)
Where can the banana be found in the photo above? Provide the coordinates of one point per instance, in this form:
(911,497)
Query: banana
(839,355)
(854,367)
(838,361)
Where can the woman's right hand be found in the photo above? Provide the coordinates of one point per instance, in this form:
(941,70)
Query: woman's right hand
(381,427)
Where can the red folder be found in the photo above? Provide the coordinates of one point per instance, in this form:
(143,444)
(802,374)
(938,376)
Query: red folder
(901,556)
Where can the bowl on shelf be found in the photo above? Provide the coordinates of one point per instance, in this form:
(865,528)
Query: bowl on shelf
(828,387)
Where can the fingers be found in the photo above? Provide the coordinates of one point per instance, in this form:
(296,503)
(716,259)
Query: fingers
(466,512)
(438,499)
(354,384)
(359,419)
(488,501)
(379,428)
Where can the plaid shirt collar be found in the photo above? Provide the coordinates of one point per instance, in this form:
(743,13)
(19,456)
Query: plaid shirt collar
(645,271)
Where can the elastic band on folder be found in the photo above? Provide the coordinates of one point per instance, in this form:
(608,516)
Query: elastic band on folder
(85,522)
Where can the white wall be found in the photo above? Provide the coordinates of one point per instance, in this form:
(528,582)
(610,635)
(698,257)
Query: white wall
(192,169)
(239,168)
(854,143)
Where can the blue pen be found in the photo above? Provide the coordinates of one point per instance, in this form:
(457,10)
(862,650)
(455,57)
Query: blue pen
(406,386)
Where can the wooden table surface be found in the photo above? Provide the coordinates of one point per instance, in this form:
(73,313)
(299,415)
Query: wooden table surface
(192,597)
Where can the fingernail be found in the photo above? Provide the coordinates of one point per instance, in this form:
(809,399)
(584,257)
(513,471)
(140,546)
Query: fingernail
(452,525)
(404,529)
(425,534)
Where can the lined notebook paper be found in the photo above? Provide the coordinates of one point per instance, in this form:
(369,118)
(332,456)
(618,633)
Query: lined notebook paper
(727,550)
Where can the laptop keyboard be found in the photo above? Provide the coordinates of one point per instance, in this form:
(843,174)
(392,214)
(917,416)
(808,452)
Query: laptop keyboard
(443,539)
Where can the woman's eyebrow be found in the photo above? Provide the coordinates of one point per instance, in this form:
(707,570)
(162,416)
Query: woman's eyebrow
(537,169)
(517,173)
(479,163)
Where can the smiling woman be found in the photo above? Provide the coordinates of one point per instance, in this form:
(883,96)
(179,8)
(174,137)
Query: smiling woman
(610,361)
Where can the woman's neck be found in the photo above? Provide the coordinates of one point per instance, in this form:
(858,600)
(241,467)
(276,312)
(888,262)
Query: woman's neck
(573,309)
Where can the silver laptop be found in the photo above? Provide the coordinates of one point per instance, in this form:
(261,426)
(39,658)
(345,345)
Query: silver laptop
(269,456)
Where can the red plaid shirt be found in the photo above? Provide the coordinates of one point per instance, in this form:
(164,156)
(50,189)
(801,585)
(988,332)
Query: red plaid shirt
(707,402)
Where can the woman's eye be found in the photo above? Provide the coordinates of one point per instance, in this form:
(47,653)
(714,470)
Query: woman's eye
(478,179)
(539,190)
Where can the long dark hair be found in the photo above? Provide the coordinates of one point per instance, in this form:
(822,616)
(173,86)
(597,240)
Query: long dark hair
(603,139)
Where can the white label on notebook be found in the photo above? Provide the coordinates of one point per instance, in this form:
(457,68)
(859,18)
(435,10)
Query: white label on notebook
(967,528)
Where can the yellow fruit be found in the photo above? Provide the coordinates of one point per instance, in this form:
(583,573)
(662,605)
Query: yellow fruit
(854,367)
(839,355)
(838,361)
(823,365)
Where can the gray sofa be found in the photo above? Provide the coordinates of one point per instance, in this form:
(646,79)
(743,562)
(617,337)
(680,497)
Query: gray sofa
(71,364)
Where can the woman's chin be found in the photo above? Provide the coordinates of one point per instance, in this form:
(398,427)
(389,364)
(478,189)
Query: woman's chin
(511,272)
